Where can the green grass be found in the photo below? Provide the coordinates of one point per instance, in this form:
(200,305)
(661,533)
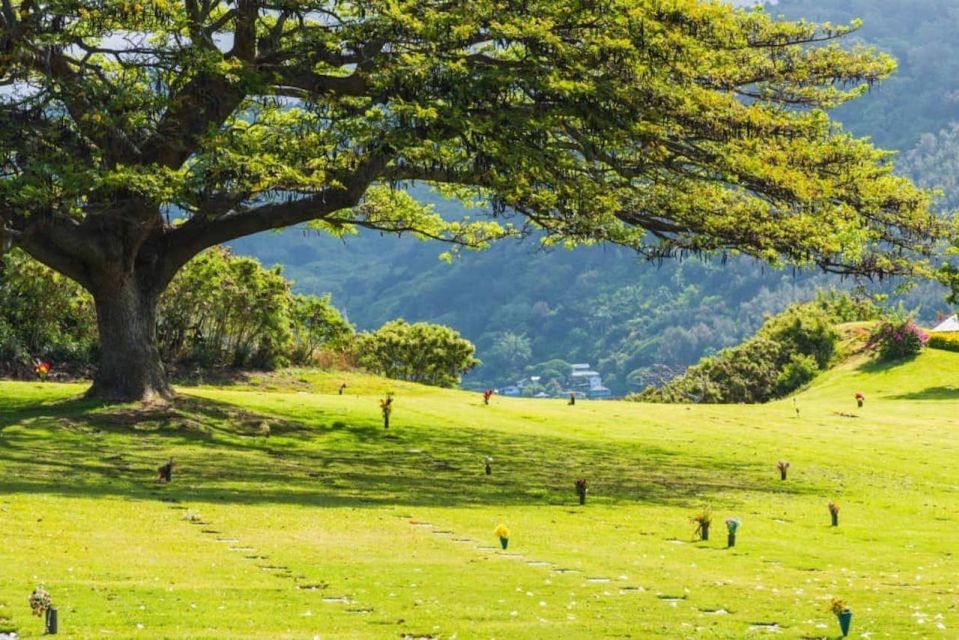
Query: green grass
(315,530)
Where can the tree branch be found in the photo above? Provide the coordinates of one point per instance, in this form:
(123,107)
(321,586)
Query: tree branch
(179,245)
(206,101)
(314,83)
(41,247)
(244,33)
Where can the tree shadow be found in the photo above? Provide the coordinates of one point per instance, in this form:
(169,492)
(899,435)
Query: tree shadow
(876,366)
(930,393)
(227,454)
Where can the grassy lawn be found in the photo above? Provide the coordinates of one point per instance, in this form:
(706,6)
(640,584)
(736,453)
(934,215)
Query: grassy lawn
(293,514)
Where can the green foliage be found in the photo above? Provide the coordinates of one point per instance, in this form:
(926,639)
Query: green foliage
(510,352)
(317,324)
(637,324)
(788,351)
(800,370)
(643,325)
(43,315)
(695,129)
(934,163)
(949,270)
(419,352)
(219,311)
(676,129)
(944,341)
(226,310)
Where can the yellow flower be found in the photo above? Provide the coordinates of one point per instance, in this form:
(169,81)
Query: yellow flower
(502,531)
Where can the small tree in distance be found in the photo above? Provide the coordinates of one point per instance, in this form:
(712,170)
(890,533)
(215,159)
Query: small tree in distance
(420,352)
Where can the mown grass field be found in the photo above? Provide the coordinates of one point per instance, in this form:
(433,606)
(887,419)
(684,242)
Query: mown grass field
(292,514)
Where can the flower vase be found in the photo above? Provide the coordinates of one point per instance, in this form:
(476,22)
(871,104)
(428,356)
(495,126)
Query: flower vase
(582,498)
(50,621)
(704,531)
(489,470)
(504,542)
(731,540)
(845,620)
(835,519)
(782,474)
(859,402)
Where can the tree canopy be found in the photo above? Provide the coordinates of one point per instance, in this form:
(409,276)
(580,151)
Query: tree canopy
(134,135)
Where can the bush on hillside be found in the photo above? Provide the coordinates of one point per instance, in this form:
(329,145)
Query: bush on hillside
(800,370)
(897,339)
(787,352)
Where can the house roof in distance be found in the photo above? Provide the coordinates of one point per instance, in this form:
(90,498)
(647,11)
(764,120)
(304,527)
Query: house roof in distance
(949,324)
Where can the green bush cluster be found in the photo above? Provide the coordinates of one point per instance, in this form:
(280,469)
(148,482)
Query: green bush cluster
(43,315)
(419,352)
(787,352)
(225,310)
(220,311)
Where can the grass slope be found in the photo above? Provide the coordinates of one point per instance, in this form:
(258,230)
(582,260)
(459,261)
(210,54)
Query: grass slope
(329,527)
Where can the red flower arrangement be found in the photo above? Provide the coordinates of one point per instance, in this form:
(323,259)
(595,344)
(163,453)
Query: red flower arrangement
(42,369)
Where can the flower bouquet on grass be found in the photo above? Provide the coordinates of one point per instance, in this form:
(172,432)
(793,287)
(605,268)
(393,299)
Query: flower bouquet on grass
(503,534)
(488,463)
(783,467)
(732,526)
(386,407)
(42,369)
(842,612)
(41,604)
(834,512)
(702,520)
(581,488)
(40,601)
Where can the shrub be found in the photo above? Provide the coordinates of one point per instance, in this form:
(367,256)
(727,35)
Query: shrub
(44,315)
(800,370)
(787,352)
(420,352)
(896,339)
(221,310)
(945,341)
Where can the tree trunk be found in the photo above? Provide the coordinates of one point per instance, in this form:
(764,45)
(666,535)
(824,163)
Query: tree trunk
(130,368)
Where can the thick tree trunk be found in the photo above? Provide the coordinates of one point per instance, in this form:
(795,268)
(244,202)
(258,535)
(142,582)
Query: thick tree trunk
(130,367)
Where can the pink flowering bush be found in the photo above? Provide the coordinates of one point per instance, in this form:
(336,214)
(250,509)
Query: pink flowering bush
(893,340)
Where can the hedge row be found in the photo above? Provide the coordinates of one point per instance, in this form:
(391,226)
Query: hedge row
(945,341)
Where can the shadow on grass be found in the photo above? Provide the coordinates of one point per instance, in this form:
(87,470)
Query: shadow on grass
(931,393)
(876,366)
(227,454)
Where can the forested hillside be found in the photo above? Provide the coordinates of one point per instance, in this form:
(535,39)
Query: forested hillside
(638,323)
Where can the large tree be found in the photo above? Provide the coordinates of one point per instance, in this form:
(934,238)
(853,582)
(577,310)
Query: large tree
(135,133)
